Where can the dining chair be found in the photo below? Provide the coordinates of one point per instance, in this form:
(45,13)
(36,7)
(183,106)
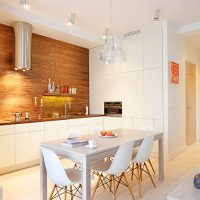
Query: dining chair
(147,128)
(111,173)
(140,160)
(62,178)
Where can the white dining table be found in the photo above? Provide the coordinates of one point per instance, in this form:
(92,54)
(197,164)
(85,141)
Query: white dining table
(106,147)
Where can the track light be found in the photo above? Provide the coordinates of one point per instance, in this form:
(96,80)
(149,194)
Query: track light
(157,15)
(25,3)
(71,19)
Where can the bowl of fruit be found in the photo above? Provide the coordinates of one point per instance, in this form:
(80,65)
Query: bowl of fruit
(107,134)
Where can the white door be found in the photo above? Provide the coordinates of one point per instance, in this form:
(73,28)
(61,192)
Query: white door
(190,103)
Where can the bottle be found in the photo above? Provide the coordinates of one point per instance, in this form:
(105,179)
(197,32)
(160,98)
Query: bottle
(53,87)
(86,110)
(67,88)
(49,86)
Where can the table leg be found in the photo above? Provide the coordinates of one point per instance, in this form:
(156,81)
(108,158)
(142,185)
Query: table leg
(161,159)
(86,180)
(43,179)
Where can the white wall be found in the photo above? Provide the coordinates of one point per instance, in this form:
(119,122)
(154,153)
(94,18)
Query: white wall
(192,54)
(176,94)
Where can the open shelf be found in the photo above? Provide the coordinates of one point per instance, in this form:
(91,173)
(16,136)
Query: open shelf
(59,94)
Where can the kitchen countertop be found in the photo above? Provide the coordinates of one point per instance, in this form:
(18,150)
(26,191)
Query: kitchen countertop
(10,122)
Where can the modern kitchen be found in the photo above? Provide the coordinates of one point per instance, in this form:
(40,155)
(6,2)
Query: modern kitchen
(95,105)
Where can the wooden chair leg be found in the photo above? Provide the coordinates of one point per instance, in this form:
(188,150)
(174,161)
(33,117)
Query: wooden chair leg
(52,192)
(102,182)
(96,186)
(114,189)
(129,188)
(65,194)
(139,179)
(132,171)
(71,193)
(110,177)
(151,166)
(149,175)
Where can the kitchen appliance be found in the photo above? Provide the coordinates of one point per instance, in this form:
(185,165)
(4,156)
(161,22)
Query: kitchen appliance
(113,108)
(17,116)
(23,43)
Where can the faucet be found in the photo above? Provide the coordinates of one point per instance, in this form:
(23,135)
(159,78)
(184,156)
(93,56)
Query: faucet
(69,106)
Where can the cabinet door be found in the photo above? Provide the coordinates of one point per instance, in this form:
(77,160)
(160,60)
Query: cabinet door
(95,122)
(132,93)
(153,49)
(127,122)
(56,130)
(28,145)
(133,48)
(112,123)
(7,129)
(7,151)
(153,96)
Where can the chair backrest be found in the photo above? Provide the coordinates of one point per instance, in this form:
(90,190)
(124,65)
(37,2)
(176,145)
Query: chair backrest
(74,133)
(96,130)
(146,128)
(122,158)
(54,168)
(144,149)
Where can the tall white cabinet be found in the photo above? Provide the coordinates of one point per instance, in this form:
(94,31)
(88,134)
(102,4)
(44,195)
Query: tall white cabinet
(138,83)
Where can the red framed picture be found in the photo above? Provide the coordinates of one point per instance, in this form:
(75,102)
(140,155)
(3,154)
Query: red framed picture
(174,72)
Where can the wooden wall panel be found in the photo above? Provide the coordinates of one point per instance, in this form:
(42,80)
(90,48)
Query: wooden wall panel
(63,63)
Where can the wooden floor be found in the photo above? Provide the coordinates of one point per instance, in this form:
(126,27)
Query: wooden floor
(24,184)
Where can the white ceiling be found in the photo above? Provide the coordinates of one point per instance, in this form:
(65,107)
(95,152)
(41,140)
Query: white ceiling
(92,16)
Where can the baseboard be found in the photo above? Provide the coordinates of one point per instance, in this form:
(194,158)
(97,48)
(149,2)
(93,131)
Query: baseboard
(176,153)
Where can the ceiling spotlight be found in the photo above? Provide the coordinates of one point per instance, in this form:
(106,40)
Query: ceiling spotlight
(25,3)
(157,15)
(71,19)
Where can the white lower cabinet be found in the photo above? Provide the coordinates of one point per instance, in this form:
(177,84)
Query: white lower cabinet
(127,122)
(112,123)
(81,125)
(55,130)
(7,150)
(28,145)
(95,122)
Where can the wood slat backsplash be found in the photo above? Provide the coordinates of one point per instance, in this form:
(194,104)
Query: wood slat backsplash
(64,63)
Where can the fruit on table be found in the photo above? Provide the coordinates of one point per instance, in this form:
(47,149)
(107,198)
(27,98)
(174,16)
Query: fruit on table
(106,133)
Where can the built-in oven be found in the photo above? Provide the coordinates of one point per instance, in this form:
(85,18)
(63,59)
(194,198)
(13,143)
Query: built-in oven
(113,108)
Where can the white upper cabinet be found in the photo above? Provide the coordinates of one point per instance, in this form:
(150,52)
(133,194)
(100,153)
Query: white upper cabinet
(153,51)
(132,92)
(153,96)
(133,48)
(97,68)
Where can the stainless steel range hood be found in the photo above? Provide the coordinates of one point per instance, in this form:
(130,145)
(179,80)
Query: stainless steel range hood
(23,45)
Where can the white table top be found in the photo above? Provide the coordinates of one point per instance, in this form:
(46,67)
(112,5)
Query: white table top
(104,144)
(186,190)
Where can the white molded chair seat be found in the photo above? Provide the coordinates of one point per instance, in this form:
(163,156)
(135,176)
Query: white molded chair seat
(62,178)
(74,175)
(114,169)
